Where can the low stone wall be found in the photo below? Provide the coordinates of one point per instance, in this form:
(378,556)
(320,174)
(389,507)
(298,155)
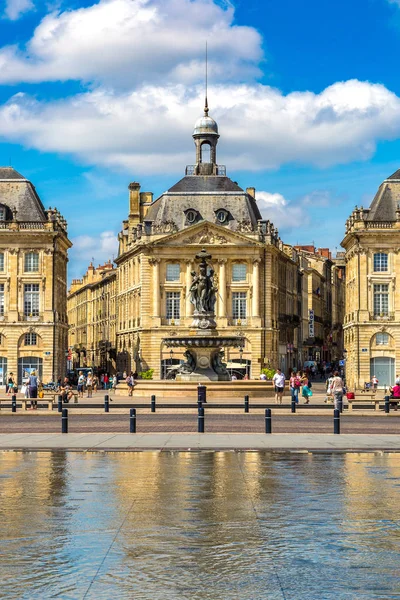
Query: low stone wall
(188,390)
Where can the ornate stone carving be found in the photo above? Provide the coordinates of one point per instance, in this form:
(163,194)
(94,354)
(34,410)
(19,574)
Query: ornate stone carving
(206,237)
(166,227)
(245,226)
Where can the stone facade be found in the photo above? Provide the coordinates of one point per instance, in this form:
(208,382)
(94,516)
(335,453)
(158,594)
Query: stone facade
(265,287)
(256,273)
(92,319)
(322,284)
(33,282)
(372,319)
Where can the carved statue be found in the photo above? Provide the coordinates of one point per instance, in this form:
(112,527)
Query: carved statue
(203,291)
(190,364)
(217,364)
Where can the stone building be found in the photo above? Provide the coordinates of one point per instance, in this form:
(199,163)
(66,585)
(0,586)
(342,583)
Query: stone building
(322,286)
(256,273)
(372,319)
(33,282)
(92,319)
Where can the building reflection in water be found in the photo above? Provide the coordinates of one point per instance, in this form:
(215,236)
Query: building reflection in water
(210,525)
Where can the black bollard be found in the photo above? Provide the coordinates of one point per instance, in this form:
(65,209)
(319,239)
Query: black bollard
(336,421)
(268,420)
(106,403)
(200,421)
(60,403)
(201,394)
(246,404)
(13,403)
(132,420)
(153,404)
(293,405)
(64,421)
(387,404)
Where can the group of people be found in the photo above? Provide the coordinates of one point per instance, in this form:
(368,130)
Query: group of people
(299,382)
(31,388)
(90,383)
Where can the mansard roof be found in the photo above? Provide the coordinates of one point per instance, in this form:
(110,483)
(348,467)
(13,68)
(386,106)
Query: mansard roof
(18,194)
(206,195)
(206,183)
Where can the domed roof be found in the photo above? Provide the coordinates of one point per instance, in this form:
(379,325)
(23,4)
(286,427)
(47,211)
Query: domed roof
(205,125)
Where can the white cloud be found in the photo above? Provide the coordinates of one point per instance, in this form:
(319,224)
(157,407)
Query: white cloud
(148,130)
(15,8)
(285,215)
(126,42)
(100,248)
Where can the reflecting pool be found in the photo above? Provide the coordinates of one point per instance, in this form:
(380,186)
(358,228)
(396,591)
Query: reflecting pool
(209,526)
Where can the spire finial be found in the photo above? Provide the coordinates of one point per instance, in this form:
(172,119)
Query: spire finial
(206,100)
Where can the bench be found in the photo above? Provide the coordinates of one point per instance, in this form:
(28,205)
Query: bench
(55,395)
(362,398)
(25,401)
(7,399)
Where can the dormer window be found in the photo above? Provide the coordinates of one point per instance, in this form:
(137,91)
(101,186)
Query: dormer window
(5,213)
(191,216)
(222,216)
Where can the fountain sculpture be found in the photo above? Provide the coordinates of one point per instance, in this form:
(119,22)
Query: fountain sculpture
(204,346)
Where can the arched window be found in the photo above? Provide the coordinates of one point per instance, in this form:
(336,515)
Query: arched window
(205,153)
(382,339)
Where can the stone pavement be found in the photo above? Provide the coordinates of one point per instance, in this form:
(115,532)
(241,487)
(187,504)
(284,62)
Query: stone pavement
(94,442)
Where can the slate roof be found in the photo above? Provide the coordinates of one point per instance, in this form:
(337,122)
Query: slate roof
(10,173)
(396,175)
(205,194)
(206,183)
(19,194)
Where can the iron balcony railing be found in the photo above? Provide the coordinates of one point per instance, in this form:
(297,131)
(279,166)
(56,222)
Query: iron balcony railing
(386,316)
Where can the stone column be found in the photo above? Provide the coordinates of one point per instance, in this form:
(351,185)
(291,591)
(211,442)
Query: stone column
(156,286)
(188,305)
(222,288)
(256,288)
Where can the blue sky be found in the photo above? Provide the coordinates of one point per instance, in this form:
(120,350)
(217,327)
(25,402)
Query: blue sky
(95,95)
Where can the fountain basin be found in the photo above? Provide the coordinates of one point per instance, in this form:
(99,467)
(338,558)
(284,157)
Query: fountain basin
(203,354)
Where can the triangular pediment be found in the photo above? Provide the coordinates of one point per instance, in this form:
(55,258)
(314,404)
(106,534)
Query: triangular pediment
(206,234)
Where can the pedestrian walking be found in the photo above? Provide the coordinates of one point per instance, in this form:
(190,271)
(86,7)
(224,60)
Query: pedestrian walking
(81,384)
(295,384)
(89,385)
(374,382)
(106,381)
(114,382)
(337,389)
(131,383)
(11,384)
(95,383)
(279,383)
(33,389)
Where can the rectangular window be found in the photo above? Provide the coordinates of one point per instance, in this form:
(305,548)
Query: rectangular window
(380,262)
(381,299)
(239,305)
(31,262)
(1,261)
(173,305)
(30,339)
(31,299)
(173,271)
(239,272)
(2,213)
(1,299)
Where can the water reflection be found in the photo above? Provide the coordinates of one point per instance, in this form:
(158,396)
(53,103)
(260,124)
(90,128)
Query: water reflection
(215,526)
